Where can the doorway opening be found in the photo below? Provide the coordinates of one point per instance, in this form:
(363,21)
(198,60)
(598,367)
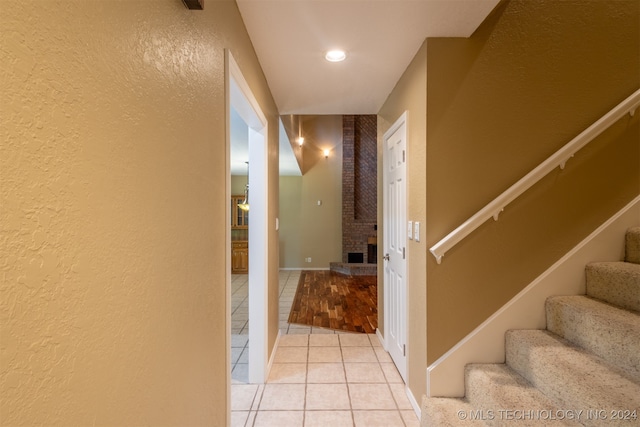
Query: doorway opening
(242,105)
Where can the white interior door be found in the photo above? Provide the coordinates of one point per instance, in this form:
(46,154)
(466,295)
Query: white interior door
(395,239)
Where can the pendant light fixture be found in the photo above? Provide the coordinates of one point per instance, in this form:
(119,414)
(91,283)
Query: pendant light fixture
(245,203)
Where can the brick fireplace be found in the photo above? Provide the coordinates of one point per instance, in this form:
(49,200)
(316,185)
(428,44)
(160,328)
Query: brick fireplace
(359,189)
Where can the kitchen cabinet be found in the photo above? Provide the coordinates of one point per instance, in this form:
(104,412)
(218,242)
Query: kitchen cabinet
(240,257)
(239,218)
(239,237)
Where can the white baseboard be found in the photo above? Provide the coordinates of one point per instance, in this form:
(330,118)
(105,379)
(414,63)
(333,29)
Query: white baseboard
(407,390)
(381,338)
(304,268)
(445,377)
(273,355)
(414,402)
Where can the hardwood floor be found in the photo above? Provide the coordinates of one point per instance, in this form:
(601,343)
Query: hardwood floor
(336,301)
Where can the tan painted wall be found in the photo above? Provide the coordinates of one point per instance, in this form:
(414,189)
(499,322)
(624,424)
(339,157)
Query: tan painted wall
(532,77)
(291,222)
(306,229)
(292,127)
(113,210)
(409,95)
(238,182)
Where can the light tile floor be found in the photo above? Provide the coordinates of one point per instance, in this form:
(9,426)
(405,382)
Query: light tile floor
(319,377)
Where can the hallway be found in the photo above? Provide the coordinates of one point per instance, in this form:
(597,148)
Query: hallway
(319,377)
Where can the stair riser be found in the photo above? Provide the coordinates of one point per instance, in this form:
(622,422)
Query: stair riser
(615,283)
(613,335)
(479,395)
(632,253)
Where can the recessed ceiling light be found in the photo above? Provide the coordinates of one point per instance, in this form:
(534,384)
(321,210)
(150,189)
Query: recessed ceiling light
(335,55)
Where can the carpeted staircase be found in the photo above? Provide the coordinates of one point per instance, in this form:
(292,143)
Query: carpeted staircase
(583,370)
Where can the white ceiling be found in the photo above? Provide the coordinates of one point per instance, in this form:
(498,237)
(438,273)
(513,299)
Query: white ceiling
(381,38)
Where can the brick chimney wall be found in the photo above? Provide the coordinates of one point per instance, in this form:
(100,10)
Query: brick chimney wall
(359,183)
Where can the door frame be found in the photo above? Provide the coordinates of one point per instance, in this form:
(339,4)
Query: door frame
(400,122)
(239,95)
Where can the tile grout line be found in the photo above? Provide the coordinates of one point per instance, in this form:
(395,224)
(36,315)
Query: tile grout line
(306,367)
(251,408)
(393,396)
(390,390)
(346,379)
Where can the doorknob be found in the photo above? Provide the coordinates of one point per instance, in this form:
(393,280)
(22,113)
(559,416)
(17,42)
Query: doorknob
(386,257)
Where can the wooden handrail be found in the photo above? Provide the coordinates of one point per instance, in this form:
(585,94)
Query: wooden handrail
(558,159)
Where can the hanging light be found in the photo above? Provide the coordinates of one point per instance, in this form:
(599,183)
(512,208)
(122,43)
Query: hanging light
(245,203)
(300,138)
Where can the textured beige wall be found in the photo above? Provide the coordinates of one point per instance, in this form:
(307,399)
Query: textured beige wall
(306,229)
(532,77)
(113,210)
(409,95)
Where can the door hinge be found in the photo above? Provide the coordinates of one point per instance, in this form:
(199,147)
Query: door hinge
(404,349)
(403,253)
(404,156)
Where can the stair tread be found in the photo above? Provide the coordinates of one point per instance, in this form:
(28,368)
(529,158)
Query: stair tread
(567,374)
(618,317)
(630,267)
(607,331)
(501,392)
(449,412)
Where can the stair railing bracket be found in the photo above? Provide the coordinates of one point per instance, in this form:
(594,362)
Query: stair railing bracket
(437,257)
(564,162)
